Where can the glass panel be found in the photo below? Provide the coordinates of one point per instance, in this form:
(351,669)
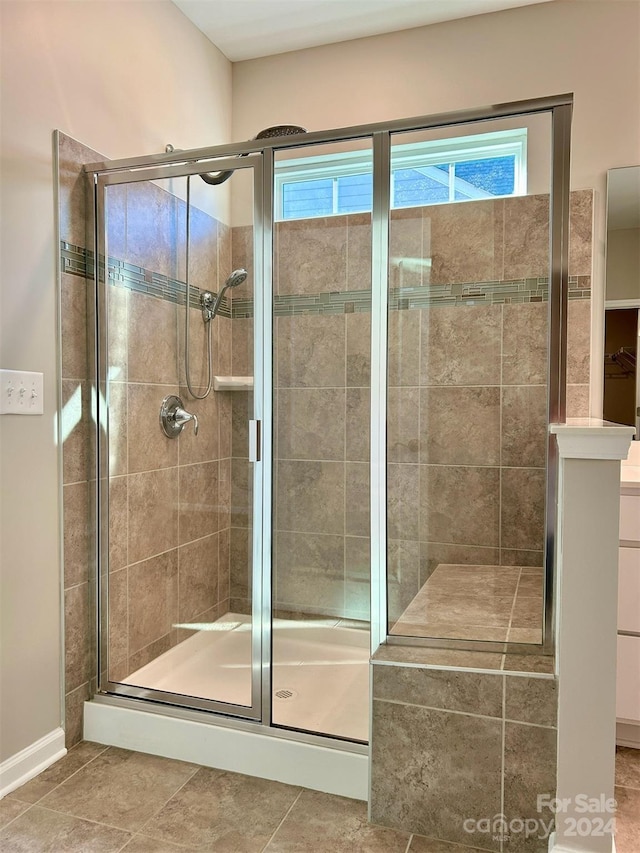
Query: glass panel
(412,187)
(355,193)
(467,400)
(180,508)
(302,199)
(494,175)
(321,565)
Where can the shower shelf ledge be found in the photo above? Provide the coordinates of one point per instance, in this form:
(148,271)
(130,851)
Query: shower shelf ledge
(233,383)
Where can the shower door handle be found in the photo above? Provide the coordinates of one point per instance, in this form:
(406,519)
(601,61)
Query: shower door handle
(254,441)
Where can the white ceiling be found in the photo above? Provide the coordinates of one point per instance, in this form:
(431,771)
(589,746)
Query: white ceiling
(246,29)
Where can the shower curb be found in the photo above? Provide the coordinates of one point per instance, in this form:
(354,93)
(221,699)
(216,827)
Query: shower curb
(330,769)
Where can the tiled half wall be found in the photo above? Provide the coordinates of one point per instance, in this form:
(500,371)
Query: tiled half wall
(454,750)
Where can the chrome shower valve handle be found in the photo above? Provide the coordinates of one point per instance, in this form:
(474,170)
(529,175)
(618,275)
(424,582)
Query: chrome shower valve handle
(181,417)
(173,417)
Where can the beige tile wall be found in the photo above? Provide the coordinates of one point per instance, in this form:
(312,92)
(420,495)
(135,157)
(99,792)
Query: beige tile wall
(321,446)
(321,429)
(321,477)
(452,745)
(466,425)
(169,499)
(169,557)
(79,568)
(466,410)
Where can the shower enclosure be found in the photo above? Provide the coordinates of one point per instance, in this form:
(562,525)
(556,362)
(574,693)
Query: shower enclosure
(359,451)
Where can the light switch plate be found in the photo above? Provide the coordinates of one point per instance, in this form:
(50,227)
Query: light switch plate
(21,392)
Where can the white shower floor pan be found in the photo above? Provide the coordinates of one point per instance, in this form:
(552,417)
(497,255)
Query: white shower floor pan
(320,672)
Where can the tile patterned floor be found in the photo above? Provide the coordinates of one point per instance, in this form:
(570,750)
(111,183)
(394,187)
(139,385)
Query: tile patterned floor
(628,797)
(103,800)
(477,602)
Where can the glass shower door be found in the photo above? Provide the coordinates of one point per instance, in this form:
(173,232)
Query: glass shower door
(321,397)
(468,367)
(179,605)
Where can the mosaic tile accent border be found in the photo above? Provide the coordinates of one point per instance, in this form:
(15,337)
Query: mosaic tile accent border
(484,292)
(78,261)
(337,302)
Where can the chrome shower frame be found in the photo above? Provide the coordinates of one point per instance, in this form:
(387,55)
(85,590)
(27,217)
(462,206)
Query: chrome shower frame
(100,183)
(260,154)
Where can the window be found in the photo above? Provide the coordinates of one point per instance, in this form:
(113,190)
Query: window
(487,165)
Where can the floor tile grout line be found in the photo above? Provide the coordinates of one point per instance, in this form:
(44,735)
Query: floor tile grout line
(101,823)
(288,812)
(85,819)
(630,787)
(147,837)
(197,769)
(11,795)
(75,773)
(126,844)
(23,812)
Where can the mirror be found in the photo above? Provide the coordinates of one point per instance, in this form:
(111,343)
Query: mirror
(622,305)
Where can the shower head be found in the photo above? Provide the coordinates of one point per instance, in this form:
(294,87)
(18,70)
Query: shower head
(236,278)
(215,178)
(280,130)
(209,307)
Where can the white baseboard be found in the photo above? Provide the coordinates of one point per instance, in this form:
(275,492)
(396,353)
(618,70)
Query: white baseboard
(628,734)
(557,848)
(255,753)
(27,763)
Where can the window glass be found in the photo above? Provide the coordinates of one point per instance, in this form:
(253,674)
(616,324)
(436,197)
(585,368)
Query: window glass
(355,193)
(302,199)
(414,187)
(495,175)
(434,172)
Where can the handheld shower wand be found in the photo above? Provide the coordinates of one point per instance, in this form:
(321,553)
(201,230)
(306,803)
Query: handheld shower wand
(209,306)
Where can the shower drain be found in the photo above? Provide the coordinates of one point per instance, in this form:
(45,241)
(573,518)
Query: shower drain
(285,694)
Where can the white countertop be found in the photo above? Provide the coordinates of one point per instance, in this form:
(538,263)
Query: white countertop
(592,438)
(590,426)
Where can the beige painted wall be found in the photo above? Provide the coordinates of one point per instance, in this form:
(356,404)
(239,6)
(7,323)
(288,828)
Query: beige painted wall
(623,264)
(588,47)
(124,78)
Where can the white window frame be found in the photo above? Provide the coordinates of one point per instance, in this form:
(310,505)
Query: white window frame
(416,155)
